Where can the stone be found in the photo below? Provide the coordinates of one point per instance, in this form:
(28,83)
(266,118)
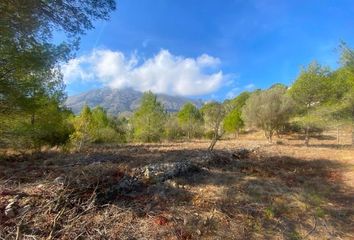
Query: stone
(10,212)
(59,180)
(10,209)
(160,172)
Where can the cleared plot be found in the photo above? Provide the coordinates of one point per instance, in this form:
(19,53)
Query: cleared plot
(246,189)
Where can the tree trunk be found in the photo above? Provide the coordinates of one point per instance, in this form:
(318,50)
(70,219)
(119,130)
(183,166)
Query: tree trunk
(237,134)
(212,144)
(307,137)
(32,119)
(214,140)
(353,133)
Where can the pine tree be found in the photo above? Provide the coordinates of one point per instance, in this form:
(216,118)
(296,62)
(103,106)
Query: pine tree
(148,119)
(190,119)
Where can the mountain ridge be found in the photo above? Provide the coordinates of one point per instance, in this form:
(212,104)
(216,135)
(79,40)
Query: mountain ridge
(119,101)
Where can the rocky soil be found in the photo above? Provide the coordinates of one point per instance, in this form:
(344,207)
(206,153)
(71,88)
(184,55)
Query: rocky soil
(245,189)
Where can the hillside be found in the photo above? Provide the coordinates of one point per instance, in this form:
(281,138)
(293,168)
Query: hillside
(123,100)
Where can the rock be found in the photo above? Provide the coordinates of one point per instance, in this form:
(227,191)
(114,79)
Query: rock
(160,172)
(10,212)
(11,209)
(172,183)
(60,180)
(147,173)
(161,220)
(199,232)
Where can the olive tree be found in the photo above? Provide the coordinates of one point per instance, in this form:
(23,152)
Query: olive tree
(268,110)
(214,114)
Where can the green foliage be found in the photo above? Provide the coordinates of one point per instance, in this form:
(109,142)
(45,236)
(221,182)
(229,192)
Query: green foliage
(149,119)
(94,126)
(121,128)
(268,110)
(31,85)
(82,128)
(233,122)
(237,102)
(312,87)
(32,21)
(321,96)
(173,131)
(190,119)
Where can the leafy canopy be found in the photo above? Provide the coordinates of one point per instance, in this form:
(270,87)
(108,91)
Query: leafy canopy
(268,110)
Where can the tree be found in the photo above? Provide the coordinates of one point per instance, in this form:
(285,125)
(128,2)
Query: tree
(26,29)
(102,132)
(120,125)
(30,79)
(347,61)
(237,102)
(83,126)
(213,114)
(310,90)
(39,100)
(233,122)
(32,21)
(148,119)
(268,110)
(172,127)
(190,119)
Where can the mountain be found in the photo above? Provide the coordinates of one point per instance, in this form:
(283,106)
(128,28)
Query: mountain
(117,101)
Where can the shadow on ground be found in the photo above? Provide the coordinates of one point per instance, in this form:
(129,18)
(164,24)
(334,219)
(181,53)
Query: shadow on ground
(256,197)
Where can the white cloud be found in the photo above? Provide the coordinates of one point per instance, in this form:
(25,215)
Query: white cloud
(162,73)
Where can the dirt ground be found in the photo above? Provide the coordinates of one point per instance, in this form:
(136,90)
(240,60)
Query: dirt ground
(274,191)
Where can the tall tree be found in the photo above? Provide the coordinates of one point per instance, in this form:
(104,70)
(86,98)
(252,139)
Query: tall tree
(83,127)
(148,119)
(310,90)
(190,119)
(347,61)
(233,122)
(30,78)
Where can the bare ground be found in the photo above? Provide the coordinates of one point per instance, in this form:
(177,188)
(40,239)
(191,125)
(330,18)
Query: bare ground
(276,191)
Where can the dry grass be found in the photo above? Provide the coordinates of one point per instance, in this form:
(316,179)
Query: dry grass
(281,191)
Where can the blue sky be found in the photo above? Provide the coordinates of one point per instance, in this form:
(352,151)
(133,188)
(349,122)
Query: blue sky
(208,48)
